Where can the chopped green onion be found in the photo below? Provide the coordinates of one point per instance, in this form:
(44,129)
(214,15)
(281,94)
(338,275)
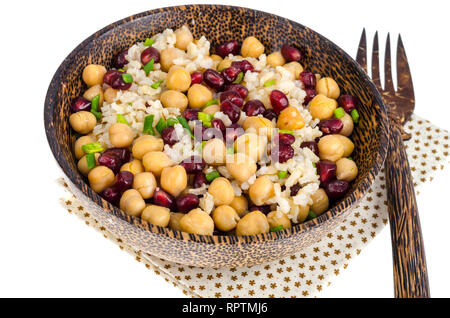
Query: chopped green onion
(314,164)
(156,84)
(171,122)
(121,119)
(90,158)
(311,215)
(93,147)
(339,112)
(121,70)
(95,103)
(282,174)
(350,158)
(149,42)
(205,118)
(210,176)
(160,125)
(269,83)
(185,124)
(230,150)
(148,125)
(131,104)
(149,66)
(127,78)
(277,228)
(211,102)
(285,131)
(239,78)
(97,115)
(203,144)
(355,116)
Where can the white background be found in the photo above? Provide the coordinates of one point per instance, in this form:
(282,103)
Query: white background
(44,251)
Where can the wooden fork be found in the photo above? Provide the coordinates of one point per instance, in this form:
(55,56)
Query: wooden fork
(410,269)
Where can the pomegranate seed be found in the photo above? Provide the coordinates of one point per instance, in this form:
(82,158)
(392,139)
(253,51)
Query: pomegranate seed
(240,89)
(199,180)
(110,161)
(270,114)
(310,93)
(193,164)
(196,78)
(312,145)
(243,65)
(213,79)
(218,124)
(120,60)
(226,48)
(231,110)
(291,53)
(331,126)
(124,181)
(79,104)
(265,209)
(187,202)
(162,198)
(308,79)
(254,107)
(110,76)
(278,100)
(230,74)
(191,114)
(111,195)
(232,133)
(348,102)
(123,154)
(118,83)
(326,170)
(284,153)
(233,97)
(148,54)
(337,189)
(285,139)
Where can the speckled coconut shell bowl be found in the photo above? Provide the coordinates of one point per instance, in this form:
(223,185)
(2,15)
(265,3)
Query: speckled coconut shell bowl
(218,24)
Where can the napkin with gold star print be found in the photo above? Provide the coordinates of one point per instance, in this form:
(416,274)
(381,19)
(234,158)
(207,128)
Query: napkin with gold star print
(308,272)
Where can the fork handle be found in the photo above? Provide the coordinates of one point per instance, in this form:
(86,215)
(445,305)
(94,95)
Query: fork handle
(410,269)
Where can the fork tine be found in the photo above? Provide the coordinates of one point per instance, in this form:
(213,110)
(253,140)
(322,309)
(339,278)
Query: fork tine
(388,84)
(361,56)
(376,63)
(404,79)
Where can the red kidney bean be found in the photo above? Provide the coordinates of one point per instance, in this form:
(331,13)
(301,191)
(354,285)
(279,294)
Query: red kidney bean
(337,189)
(124,181)
(169,136)
(285,139)
(312,145)
(278,100)
(187,202)
(310,93)
(162,198)
(294,189)
(230,74)
(110,76)
(326,170)
(219,125)
(270,114)
(193,164)
(191,114)
(265,209)
(118,83)
(233,97)
(348,102)
(240,89)
(196,78)
(291,53)
(213,79)
(80,104)
(120,60)
(199,180)
(111,195)
(243,65)
(282,153)
(123,154)
(254,107)
(232,132)
(226,48)
(231,110)
(308,79)
(148,54)
(110,161)
(331,126)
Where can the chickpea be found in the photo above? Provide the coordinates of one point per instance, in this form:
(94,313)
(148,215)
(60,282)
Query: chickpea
(295,68)
(222,191)
(261,190)
(241,166)
(83,165)
(347,143)
(198,96)
(156,215)
(240,205)
(330,148)
(291,119)
(93,74)
(320,201)
(110,95)
(174,222)
(275,59)
(225,218)
(303,211)
(145,183)
(197,222)
(261,125)
(120,135)
(178,79)
(252,223)
(94,91)
(347,129)
(100,178)
(79,143)
(174,179)
(251,47)
(175,99)
(346,169)
(276,219)
(132,203)
(214,152)
(252,145)
(225,63)
(322,107)
(166,58)
(211,109)
(216,58)
(184,37)
(156,161)
(145,144)
(134,167)
(328,87)
(82,122)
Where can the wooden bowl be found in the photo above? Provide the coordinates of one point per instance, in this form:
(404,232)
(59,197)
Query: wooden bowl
(218,24)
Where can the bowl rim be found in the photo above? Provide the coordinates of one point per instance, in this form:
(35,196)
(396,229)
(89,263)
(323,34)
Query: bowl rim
(349,201)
